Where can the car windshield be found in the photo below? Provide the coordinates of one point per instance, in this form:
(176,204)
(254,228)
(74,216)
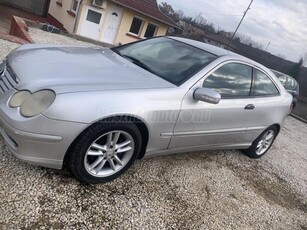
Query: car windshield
(169,59)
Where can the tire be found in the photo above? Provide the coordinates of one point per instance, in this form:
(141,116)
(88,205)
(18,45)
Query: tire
(293,106)
(92,153)
(262,144)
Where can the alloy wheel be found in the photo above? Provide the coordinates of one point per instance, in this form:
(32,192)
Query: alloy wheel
(265,142)
(109,153)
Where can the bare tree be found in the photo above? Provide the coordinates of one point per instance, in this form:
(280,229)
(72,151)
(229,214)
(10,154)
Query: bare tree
(180,14)
(296,68)
(247,40)
(281,56)
(244,39)
(200,20)
(169,11)
(209,28)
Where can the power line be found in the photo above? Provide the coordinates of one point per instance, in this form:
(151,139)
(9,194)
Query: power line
(235,15)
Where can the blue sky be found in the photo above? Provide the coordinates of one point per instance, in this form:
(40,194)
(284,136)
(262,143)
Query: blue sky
(283,23)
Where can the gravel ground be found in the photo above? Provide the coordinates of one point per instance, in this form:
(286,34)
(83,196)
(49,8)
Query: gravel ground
(6,47)
(39,36)
(202,190)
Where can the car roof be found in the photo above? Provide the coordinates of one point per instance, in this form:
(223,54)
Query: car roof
(216,50)
(201,45)
(204,46)
(283,74)
(275,71)
(212,49)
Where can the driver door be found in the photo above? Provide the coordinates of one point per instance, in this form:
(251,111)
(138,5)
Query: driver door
(203,124)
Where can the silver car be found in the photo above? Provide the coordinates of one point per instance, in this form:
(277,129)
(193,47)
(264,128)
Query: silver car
(96,110)
(290,84)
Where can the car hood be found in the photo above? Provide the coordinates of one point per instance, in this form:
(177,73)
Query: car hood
(71,69)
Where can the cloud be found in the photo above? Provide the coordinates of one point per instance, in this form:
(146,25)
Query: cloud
(283,23)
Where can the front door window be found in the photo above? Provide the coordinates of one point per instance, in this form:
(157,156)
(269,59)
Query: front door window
(231,80)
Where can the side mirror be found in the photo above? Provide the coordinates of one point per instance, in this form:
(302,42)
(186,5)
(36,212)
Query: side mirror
(207,95)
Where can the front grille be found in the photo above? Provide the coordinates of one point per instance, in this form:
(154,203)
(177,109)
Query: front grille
(2,67)
(8,80)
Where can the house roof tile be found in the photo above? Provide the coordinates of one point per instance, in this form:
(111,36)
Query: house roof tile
(148,8)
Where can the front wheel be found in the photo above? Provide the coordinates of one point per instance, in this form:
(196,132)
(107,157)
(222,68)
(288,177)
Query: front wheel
(104,151)
(262,144)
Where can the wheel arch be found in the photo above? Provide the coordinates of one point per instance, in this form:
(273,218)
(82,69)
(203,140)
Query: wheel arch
(278,127)
(140,124)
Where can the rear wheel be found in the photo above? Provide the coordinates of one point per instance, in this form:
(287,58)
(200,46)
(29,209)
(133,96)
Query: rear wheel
(104,151)
(262,144)
(293,106)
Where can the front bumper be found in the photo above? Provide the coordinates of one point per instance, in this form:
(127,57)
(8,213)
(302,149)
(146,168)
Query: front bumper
(38,140)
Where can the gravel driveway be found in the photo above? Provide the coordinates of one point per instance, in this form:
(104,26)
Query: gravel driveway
(202,190)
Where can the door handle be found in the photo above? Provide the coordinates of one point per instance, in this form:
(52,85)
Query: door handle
(249,107)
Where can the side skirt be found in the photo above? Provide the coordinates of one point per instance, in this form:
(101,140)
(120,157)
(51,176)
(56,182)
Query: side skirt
(196,148)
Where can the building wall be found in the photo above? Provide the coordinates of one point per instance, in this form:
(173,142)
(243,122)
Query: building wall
(124,36)
(32,6)
(82,16)
(61,14)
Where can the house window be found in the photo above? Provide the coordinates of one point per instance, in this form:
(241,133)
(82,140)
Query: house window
(93,16)
(151,30)
(98,2)
(136,26)
(75,6)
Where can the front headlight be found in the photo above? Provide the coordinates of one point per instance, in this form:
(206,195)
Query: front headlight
(19,98)
(32,104)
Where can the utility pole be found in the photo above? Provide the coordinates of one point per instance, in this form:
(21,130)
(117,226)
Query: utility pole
(233,35)
(267,46)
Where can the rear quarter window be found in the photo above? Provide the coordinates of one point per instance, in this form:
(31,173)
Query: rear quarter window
(263,85)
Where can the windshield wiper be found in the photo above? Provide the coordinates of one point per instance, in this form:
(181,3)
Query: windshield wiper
(139,63)
(117,51)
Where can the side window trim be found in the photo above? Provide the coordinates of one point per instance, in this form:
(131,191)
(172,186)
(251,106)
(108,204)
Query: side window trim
(253,82)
